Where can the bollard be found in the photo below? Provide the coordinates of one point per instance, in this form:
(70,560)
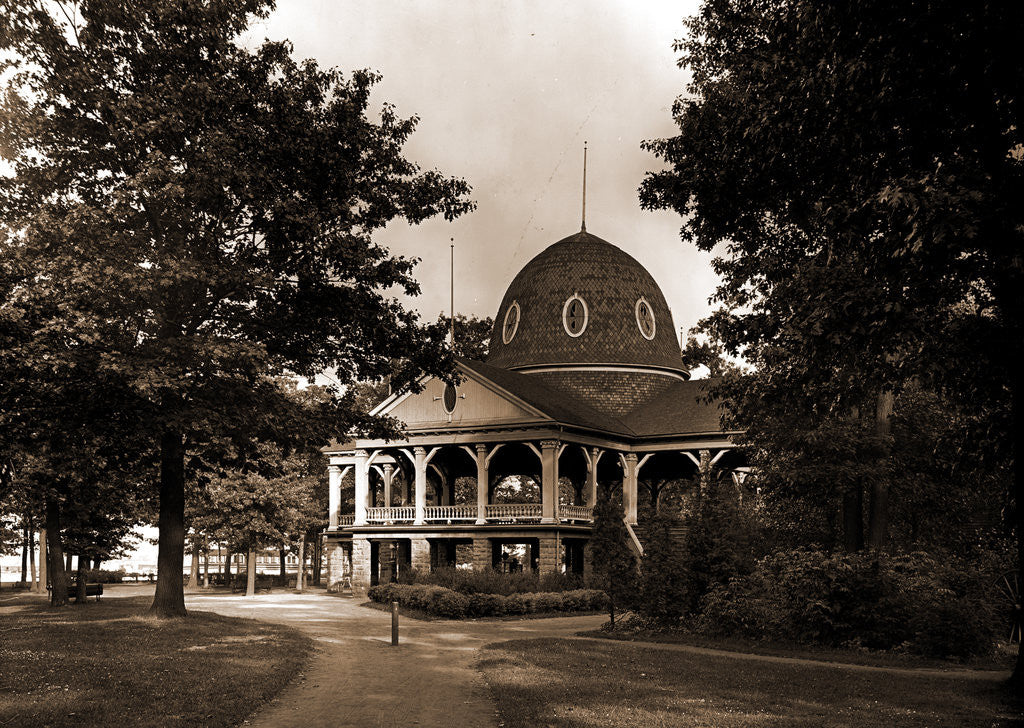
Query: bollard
(394,623)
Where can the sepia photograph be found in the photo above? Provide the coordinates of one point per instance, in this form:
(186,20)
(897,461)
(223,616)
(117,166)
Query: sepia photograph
(511,364)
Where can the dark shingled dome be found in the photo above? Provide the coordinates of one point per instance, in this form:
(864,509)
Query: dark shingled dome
(610,282)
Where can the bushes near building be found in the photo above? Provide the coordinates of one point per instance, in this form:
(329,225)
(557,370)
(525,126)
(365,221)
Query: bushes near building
(440,601)
(665,582)
(491,581)
(914,602)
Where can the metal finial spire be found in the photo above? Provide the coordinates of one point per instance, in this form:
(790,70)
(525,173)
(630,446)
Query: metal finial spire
(452,309)
(583,225)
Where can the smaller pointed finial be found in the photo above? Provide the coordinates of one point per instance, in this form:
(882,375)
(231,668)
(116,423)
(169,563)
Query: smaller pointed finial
(583,225)
(452,278)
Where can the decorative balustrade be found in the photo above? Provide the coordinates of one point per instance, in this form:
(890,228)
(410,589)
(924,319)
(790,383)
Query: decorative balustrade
(390,515)
(450,513)
(513,512)
(500,512)
(575,513)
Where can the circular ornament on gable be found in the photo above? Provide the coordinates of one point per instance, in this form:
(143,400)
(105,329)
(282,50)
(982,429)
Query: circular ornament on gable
(511,323)
(574,315)
(450,398)
(645,318)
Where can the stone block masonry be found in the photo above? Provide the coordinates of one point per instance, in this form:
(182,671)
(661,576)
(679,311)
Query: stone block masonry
(420,555)
(482,554)
(360,563)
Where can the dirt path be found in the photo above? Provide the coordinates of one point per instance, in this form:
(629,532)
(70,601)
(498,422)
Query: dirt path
(358,679)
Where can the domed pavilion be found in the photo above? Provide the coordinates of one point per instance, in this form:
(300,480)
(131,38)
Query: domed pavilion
(583,384)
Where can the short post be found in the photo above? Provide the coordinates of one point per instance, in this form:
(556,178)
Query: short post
(394,623)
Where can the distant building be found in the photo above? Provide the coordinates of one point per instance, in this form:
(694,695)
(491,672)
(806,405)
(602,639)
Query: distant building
(583,383)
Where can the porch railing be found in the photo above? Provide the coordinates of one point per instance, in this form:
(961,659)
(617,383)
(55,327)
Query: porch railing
(450,513)
(513,511)
(346,519)
(390,515)
(575,513)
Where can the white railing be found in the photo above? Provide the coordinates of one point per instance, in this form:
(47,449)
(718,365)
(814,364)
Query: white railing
(575,513)
(450,513)
(390,515)
(346,520)
(513,511)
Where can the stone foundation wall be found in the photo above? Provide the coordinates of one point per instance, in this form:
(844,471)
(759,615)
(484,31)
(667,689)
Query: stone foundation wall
(481,554)
(550,556)
(420,554)
(360,563)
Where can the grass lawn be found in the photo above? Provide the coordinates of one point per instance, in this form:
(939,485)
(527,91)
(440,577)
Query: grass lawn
(108,663)
(571,684)
(1003,658)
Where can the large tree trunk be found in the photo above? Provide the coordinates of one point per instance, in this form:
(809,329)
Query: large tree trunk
(170,588)
(58,577)
(853,518)
(193,572)
(284,567)
(878,504)
(43,561)
(250,573)
(67,561)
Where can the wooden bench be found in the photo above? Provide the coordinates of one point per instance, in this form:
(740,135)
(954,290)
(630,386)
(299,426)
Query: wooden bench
(91,590)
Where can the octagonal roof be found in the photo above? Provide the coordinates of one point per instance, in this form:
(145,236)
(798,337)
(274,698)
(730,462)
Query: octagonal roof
(584,303)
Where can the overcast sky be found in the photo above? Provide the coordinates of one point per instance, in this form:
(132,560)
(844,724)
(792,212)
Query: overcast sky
(506,92)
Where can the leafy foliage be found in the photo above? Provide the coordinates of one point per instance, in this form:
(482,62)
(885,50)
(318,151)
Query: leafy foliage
(194,217)
(614,563)
(665,580)
(939,607)
(719,541)
(443,602)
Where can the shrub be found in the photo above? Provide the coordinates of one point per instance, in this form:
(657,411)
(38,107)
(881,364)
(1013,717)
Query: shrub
(664,577)
(491,581)
(931,607)
(486,605)
(443,602)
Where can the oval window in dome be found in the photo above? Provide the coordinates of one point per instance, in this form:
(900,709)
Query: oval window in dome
(574,315)
(450,398)
(645,318)
(511,323)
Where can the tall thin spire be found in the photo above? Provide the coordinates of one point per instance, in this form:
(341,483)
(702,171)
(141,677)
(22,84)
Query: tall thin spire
(452,309)
(583,225)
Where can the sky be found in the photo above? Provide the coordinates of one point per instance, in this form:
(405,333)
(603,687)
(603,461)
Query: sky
(506,92)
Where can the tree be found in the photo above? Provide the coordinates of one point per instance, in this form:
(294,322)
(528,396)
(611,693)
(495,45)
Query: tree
(261,504)
(861,167)
(210,209)
(614,569)
(664,570)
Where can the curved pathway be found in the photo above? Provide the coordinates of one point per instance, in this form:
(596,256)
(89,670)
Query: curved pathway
(357,678)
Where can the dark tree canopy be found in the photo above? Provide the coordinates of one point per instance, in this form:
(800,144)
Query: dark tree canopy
(199,216)
(858,168)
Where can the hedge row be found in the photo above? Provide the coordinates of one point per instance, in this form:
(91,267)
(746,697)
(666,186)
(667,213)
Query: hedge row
(442,602)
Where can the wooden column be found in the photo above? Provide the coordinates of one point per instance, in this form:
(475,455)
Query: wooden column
(389,474)
(482,478)
(334,476)
(629,472)
(420,463)
(593,457)
(549,481)
(362,495)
